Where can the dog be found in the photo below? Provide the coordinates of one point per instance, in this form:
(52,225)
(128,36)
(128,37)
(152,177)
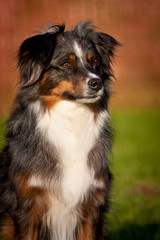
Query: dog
(54,173)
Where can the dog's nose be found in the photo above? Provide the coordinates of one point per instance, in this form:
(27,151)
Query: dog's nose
(95,84)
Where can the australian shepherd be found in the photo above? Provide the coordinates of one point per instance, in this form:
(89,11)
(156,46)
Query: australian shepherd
(54,174)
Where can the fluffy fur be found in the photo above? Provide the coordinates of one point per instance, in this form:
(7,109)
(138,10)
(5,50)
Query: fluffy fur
(54,175)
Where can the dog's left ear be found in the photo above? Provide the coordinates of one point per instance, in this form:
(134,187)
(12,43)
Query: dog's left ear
(32,57)
(35,55)
(106,45)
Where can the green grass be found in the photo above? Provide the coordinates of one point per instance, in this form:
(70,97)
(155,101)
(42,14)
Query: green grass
(135,198)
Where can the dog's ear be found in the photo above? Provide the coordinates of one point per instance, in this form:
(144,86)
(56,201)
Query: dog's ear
(35,54)
(106,46)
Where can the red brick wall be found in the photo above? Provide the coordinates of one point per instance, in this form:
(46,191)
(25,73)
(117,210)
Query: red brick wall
(134,23)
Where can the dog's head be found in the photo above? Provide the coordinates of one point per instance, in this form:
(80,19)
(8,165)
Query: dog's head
(73,65)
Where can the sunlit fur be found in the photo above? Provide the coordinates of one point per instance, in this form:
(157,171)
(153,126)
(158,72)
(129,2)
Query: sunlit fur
(54,174)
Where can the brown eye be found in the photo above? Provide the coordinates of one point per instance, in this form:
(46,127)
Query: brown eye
(95,60)
(67,65)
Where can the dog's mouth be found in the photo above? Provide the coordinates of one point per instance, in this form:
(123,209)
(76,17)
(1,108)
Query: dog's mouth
(89,99)
(91,95)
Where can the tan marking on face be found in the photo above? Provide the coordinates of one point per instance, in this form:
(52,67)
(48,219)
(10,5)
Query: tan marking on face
(89,56)
(57,92)
(72,57)
(46,75)
(63,86)
(50,101)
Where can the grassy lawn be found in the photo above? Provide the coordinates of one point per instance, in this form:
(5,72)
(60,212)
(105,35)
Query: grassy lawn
(135,198)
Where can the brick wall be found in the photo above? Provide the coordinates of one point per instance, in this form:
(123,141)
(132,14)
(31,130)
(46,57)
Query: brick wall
(134,23)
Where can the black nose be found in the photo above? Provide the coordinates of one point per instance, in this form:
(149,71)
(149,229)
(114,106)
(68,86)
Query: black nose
(95,83)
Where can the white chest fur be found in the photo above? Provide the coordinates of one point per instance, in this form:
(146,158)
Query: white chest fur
(73,130)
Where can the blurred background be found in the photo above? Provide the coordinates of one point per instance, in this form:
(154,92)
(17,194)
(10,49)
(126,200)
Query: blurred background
(134,106)
(136,24)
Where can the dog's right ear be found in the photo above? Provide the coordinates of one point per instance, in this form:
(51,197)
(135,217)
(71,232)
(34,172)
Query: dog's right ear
(35,54)
(106,45)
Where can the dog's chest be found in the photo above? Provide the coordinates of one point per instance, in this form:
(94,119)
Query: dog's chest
(72,129)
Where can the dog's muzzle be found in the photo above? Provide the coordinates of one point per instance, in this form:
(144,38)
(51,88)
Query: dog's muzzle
(95,84)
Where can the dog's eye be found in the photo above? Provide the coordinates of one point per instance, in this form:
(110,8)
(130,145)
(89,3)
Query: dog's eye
(67,65)
(95,60)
